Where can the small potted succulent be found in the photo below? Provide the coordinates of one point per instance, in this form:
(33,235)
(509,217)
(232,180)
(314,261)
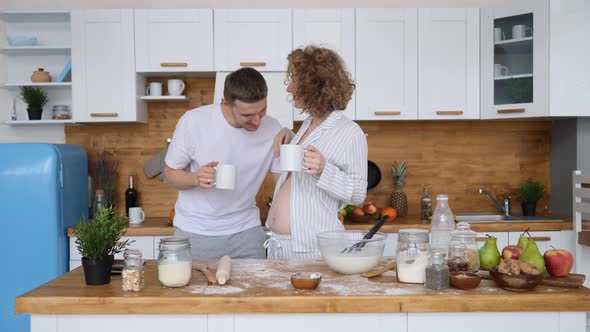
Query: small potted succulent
(529,193)
(35,98)
(98,241)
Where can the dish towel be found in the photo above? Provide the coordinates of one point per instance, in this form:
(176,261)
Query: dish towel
(155,166)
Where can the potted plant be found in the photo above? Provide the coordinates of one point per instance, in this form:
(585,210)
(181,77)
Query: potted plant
(529,193)
(98,241)
(35,98)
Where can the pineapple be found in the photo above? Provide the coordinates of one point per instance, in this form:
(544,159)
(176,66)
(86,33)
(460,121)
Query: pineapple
(399,199)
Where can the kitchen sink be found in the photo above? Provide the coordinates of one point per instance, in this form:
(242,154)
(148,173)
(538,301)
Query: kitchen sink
(496,217)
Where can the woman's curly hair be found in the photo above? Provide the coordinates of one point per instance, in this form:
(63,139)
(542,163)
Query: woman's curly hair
(320,80)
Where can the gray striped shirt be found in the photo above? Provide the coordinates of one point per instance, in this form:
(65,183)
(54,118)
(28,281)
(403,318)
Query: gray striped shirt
(316,199)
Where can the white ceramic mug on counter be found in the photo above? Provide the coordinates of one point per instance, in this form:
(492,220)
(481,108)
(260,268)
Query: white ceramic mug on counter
(175,87)
(225,176)
(291,158)
(136,215)
(519,31)
(500,70)
(154,89)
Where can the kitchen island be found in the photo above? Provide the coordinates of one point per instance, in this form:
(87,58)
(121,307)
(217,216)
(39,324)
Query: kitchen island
(259,297)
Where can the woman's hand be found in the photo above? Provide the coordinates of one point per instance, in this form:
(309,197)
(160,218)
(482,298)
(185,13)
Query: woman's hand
(283,137)
(206,176)
(313,161)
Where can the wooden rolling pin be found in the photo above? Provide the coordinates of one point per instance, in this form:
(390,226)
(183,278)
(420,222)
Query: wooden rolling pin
(223,270)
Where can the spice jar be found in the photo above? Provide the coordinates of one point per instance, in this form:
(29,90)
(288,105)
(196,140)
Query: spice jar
(61,112)
(463,234)
(133,273)
(413,250)
(457,261)
(174,262)
(437,273)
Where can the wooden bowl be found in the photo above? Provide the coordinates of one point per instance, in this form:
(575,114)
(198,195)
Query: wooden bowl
(306,280)
(518,283)
(464,280)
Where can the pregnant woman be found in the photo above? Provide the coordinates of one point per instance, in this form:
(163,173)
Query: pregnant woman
(335,159)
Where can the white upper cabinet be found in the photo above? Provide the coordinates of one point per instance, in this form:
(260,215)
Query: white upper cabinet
(515,60)
(329,27)
(259,38)
(103,67)
(569,54)
(448,63)
(386,64)
(173,40)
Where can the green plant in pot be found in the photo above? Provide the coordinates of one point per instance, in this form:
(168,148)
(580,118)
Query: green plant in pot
(35,98)
(98,241)
(529,193)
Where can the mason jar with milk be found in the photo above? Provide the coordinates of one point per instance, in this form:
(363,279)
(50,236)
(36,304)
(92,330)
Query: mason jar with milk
(174,262)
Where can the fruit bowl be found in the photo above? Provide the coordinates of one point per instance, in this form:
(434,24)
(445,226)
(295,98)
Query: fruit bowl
(515,282)
(333,243)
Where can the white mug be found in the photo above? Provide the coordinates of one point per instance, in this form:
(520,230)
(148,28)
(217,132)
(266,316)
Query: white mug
(154,89)
(175,87)
(136,215)
(500,70)
(519,31)
(225,176)
(291,158)
(499,34)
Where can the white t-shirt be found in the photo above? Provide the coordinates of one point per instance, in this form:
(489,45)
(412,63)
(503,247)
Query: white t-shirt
(203,135)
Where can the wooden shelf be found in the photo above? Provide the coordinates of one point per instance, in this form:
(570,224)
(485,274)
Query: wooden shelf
(164,98)
(37,122)
(48,84)
(513,41)
(499,78)
(36,50)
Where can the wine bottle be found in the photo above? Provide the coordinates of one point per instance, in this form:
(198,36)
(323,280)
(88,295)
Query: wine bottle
(130,196)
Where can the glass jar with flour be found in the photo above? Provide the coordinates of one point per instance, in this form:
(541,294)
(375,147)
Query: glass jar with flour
(174,262)
(413,252)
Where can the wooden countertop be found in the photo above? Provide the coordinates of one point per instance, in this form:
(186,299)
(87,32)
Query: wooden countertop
(263,286)
(162,227)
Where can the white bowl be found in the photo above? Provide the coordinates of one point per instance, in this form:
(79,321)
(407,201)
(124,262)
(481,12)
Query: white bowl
(333,243)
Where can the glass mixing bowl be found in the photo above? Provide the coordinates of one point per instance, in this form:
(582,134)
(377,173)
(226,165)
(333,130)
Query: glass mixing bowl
(335,245)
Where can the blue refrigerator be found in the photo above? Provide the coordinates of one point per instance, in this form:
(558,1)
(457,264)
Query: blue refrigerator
(43,191)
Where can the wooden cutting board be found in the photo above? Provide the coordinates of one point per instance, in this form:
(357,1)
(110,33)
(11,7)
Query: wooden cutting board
(573,280)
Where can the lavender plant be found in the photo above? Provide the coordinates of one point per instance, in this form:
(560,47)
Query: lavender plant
(105,178)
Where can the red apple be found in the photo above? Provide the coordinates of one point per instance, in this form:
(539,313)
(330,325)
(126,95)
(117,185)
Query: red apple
(512,252)
(558,262)
(370,208)
(357,211)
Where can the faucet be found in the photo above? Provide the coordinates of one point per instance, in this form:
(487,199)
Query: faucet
(505,209)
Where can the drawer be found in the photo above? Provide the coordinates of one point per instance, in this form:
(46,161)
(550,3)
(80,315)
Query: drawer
(143,243)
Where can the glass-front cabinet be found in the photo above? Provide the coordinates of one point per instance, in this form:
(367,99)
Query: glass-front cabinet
(514,60)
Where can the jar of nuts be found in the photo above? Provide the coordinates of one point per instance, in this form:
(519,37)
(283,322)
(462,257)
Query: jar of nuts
(457,261)
(465,236)
(132,276)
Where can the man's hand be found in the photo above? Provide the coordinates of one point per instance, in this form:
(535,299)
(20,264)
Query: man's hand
(206,176)
(313,161)
(283,137)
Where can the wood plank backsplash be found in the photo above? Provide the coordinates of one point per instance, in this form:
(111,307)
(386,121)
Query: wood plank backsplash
(452,157)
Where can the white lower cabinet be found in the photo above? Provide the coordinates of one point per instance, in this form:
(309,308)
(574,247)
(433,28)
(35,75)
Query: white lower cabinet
(390,245)
(544,240)
(143,243)
(501,242)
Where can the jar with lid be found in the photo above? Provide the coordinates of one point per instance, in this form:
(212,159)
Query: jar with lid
(132,276)
(413,250)
(174,262)
(457,261)
(61,112)
(464,235)
(437,273)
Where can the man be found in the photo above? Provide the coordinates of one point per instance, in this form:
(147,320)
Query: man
(237,132)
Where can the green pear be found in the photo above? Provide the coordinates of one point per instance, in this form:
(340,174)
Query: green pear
(523,238)
(489,256)
(532,255)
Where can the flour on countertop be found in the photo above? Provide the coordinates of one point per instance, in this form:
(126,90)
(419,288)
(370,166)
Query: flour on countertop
(213,290)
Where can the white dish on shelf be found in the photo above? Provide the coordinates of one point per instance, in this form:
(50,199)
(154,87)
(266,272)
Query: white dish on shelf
(163,98)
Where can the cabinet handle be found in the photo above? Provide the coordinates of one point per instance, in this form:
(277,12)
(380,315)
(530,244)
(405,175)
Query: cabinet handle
(173,64)
(536,238)
(511,110)
(388,113)
(449,112)
(104,115)
(252,64)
